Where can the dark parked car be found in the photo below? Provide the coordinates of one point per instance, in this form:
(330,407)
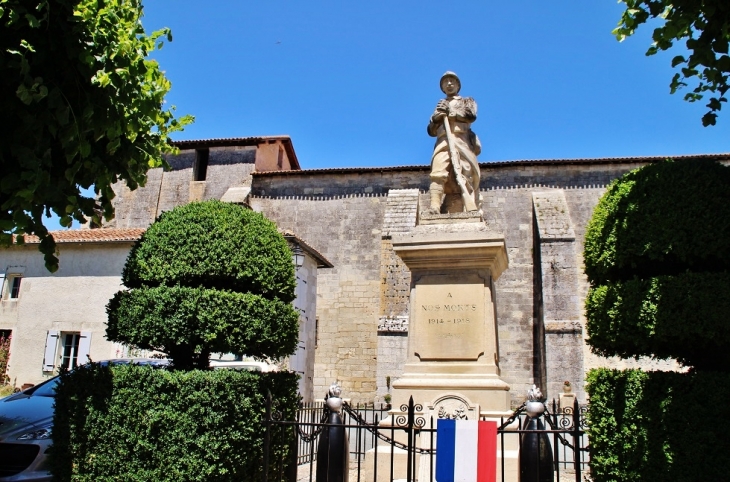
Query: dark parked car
(26,419)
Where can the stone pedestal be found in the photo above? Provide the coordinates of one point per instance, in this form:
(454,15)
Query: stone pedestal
(452,365)
(453,350)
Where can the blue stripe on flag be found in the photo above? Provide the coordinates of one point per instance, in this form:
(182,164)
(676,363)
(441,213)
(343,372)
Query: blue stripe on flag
(445,448)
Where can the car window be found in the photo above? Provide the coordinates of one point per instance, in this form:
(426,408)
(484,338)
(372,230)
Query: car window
(45,389)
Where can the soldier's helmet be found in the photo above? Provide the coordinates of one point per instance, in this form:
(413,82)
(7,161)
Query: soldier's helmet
(452,75)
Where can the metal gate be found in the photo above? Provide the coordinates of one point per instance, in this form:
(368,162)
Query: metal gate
(400,444)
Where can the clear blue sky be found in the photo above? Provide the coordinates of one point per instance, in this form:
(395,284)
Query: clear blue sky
(354,83)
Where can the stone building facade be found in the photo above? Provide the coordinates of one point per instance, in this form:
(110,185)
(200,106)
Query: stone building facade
(541,207)
(58,319)
(55,319)
(349,215)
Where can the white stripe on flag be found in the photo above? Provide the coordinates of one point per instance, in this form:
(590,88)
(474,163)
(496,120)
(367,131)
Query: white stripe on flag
(465,456)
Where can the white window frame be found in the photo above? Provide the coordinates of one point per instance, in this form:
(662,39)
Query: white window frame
(54,353)
(7,280)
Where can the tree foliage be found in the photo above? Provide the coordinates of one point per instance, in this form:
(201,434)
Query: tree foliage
(705,26)
(81,106)
(188,322)
(657,255)
(207,277)
(681,316)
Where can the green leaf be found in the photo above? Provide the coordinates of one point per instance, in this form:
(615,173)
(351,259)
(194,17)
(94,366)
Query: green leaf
(679,59)
(704,27)
(709,119)
(96,74)
(32,20)
(84,149)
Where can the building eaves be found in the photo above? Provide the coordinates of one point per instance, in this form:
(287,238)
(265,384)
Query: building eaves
(242,141)
(102,235)
(322,262)
(492,164)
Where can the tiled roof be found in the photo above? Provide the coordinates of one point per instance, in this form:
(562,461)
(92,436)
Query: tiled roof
(103,235)
(487,165)
(228,141)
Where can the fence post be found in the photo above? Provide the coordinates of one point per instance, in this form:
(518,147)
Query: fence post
(267,438)
(410,455)
(536,464)
(556,453)
(576,438)
(334,449)
(291,470)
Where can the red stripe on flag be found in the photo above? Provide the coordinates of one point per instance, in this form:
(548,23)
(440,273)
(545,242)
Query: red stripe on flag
(487,452)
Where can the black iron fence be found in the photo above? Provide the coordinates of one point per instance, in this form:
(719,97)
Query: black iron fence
(311,416)
(385,446)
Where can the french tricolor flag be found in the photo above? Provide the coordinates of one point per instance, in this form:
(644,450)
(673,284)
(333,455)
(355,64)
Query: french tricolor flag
(466,451)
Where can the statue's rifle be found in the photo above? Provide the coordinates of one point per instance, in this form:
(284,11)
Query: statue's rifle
(468,199)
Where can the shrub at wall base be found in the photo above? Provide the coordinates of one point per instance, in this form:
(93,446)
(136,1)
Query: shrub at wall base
(136,423)
(658,426)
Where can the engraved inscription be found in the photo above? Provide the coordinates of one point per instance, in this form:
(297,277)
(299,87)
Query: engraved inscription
(451,308)
(448,309)
(449,314)
(442,321)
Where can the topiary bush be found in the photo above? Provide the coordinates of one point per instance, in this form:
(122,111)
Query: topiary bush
(216,245)
(657,255)
(137,423)
(684,317)
(662,219)
(207,276)
(657,425)
(202,320)
(204,277)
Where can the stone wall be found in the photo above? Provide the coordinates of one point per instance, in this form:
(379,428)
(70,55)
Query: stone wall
(164,190)
(346,231)
(348,215)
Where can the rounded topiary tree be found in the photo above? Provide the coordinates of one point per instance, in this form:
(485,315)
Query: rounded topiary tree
(207,277)
(657,255)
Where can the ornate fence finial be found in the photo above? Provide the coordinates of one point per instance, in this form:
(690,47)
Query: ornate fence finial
(334,401)
(534,405)
(534,394)
(335,390)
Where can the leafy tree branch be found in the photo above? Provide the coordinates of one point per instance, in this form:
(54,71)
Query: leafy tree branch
(82,106)
(705,26)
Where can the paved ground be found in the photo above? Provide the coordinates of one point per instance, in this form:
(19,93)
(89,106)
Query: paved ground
(303,475)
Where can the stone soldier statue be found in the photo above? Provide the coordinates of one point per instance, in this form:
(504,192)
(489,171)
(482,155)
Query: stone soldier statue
(454,165)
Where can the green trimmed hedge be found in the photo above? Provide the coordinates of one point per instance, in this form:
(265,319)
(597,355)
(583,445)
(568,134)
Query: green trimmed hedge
(683,317)
(207,277)
(658,426)
(134,423)
(661,219)
(199,320)
(213,244)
